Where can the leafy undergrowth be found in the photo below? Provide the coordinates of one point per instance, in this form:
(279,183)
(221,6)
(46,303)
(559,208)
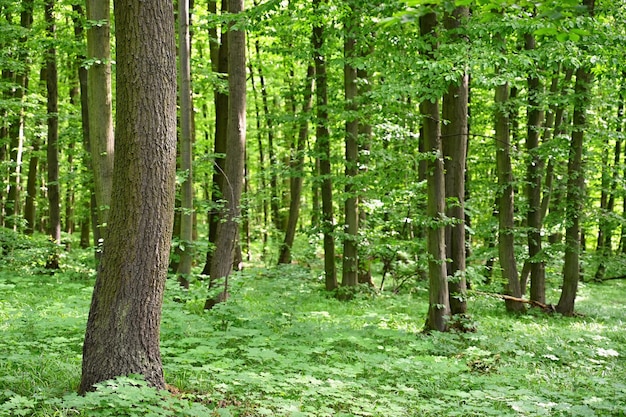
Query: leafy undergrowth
(282,347)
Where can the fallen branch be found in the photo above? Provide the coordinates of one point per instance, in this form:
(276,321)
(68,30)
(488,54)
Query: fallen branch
(546,307)
(612,278)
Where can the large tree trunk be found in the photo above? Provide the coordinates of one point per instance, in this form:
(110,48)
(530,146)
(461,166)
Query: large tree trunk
(534,180)
(297,165)
(439,297)
(122,335)
(506,237)
(222,261)
(100,106)
(186,146)
(221,139)
(323,150)
(454,146)
(350,270)
(54,194)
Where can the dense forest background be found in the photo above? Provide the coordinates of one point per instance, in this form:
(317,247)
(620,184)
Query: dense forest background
(459,148)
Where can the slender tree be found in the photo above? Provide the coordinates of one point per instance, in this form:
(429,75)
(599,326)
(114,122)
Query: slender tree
(220,97)
(186,145)
(123,327)
(52,80)
(100,105)
(297,165)
(323,149)
(454,133)
(534,180)
(350,268)
(227,231)
(439,297)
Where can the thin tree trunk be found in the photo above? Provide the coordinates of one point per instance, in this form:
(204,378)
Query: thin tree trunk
(533,188)
(439,297)
(506,237)
(297,165)
(269,122)
(454,146)
(575,195)
(100,98)
(54,195)
(221,139)
(122,335)
(186,146)
(227,231)
(575,188)
(350,270)
(323,150)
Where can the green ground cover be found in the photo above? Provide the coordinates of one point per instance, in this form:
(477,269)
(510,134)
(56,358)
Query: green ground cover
(282,347)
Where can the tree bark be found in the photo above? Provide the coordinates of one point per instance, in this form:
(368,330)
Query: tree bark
(350,270)
(454,134)
(439,297)
(575,195)
(323,150)
(222,261)
(122,335)
(54,194)
(533,188)
(506,237)
(297,165)
(221,139)
(100,98)
(575,187)
(186,146)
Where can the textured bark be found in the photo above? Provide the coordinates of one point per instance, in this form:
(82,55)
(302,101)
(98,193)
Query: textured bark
(323,150)
(533,189)
(350,268)
(100,106)
(221,139)
(454,134)
(575,187)
(297,166)
(54,194)
(575,195)
(186,146)
(122,335)
(227,230)
(439,298)
(506,238)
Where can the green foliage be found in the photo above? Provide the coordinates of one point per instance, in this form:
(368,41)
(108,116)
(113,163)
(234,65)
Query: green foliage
(280,346)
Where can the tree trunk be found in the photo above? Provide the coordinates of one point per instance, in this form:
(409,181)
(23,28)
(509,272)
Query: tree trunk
(575,195)
(575,187)
(533,188)
(122,335)
(439,297)
(100,103)
(297,165)
(54,195)
(506,237)
(269,122)
(221,139)
(323,150)
(608,223)
(454,146)
(350,270)
(222,261)
(186,146)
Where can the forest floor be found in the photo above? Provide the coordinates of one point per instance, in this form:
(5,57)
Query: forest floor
(281,346)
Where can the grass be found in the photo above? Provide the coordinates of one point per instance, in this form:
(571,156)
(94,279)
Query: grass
(283,347)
